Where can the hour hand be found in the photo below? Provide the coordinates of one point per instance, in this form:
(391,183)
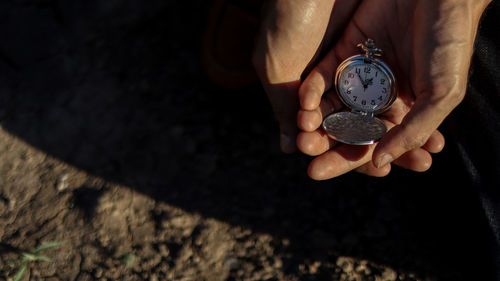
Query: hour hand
(362,81)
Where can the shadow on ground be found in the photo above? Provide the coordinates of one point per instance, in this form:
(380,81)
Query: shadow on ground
(119,93)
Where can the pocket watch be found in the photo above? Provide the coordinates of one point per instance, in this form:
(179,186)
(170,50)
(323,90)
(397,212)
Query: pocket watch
(367,86)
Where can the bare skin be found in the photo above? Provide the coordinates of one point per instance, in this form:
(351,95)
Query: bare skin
(428,44)
(293,33)
(290,42)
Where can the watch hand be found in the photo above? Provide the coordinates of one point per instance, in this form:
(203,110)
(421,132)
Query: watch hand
(362,81)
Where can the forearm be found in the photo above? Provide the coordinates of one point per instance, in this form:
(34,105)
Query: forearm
(290,36)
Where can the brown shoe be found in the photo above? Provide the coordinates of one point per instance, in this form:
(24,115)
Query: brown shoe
(228,42)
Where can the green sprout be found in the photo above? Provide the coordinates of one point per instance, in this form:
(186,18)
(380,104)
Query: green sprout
(34,256)
(128,259)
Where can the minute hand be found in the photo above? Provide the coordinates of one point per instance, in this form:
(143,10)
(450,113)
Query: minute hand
(369,81)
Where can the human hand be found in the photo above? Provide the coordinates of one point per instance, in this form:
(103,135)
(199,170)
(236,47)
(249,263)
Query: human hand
(291,38)
(428,44)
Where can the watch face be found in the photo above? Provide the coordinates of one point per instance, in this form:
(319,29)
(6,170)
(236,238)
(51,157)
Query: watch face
(364,86)
(367,85)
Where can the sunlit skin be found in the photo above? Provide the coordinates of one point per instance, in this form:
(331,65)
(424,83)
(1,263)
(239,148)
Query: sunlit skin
(289,42)
(428,44)
(292,35)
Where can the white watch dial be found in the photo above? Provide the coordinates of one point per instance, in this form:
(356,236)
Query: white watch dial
(364,86)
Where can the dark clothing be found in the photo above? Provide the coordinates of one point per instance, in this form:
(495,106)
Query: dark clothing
(475,125)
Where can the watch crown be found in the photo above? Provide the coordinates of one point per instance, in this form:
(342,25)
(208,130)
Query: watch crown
(368,47)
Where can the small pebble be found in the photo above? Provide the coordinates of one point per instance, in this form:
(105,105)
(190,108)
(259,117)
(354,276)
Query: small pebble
(62,182)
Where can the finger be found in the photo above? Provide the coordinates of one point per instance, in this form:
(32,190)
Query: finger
(370,170)
(395,115)
(341,160)
(414,131)
(435,143)
(314,143)
(317,82)
(346,157)
(321,77)
(418,160)
(310,120)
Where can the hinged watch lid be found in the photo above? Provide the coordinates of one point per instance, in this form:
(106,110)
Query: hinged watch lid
(354,128)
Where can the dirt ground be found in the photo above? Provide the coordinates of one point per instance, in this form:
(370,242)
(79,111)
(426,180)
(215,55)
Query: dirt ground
(114,143)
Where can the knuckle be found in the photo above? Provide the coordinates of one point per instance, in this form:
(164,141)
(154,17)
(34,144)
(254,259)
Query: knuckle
(455,97)
(410,142)
(447,101)
(448,94)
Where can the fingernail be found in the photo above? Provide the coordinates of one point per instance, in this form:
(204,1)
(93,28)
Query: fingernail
(287,143)
(384,159)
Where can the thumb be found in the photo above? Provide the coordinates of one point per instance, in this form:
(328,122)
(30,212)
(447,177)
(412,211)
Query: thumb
(418,125)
